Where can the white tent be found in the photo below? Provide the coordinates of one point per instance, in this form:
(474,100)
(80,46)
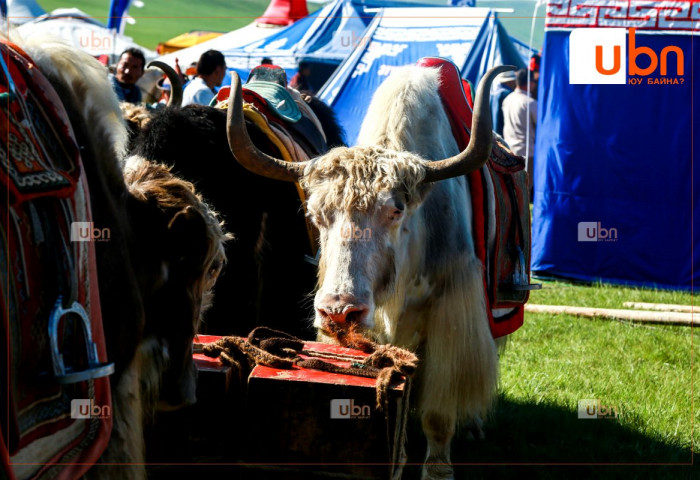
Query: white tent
(82,31)
(231,40)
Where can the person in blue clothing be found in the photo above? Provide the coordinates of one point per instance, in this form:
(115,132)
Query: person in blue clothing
(130,68)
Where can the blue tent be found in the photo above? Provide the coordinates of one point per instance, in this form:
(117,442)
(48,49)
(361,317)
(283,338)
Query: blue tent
(473,38)
(323,40)
(614,178)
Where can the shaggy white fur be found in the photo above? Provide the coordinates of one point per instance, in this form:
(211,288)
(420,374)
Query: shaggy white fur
(422,255)
(88,82)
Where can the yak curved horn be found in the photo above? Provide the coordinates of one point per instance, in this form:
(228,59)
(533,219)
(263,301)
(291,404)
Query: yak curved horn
(243,148)
(175,99)
(479,148)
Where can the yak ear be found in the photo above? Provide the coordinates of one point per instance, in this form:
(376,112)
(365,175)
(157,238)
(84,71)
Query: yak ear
(187,232)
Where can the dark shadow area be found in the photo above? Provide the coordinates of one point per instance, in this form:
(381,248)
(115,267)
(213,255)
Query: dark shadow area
(516,433)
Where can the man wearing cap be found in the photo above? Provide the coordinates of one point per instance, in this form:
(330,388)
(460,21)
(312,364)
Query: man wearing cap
(211,70)
(164,86)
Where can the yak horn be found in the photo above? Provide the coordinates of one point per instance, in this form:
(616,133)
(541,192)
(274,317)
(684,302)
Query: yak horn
(479,148)
(175,99)
(243,148)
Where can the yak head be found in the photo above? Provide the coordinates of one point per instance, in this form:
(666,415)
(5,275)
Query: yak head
(179,241)
(363,201)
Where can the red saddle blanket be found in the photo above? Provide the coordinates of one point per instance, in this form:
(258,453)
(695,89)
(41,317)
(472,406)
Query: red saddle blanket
(45,434)
(501,238)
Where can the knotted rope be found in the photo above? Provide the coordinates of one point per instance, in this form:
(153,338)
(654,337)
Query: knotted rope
(276,349)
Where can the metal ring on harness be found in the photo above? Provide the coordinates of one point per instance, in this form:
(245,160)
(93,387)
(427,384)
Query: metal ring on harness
(65,374)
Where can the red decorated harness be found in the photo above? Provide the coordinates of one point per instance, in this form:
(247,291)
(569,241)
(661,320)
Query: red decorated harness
(502,181)
(49,287)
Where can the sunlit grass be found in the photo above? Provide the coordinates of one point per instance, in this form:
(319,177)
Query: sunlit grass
(554,361)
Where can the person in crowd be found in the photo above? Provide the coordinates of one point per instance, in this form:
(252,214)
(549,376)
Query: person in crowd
(211,70)
(266,61)
(300,81)
(503,86)
(129,69)
(166,90)
(520,119)
(534,67)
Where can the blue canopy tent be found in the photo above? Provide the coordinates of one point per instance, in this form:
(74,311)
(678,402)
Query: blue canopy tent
(323,40)
(473,38)
(613,173)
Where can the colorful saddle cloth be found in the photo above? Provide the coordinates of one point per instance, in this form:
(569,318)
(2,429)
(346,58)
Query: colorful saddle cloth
(294,131)
(500,186)
(49,429)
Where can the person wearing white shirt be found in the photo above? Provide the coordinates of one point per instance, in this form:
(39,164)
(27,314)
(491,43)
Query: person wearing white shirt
(211,70)
(520,119)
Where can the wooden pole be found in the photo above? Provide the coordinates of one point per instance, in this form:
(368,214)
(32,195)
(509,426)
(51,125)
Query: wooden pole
(640,316)
(662,307)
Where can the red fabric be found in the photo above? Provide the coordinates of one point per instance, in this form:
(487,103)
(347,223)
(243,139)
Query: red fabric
(283,12)
(26,298)
(458,105)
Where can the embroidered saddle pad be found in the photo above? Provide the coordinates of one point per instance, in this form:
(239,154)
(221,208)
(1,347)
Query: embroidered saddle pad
(44,269)
(500,186)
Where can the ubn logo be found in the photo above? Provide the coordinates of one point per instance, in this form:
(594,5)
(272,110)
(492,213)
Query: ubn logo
(593,408)
(346,408)
(86,408)
(599,55)
(96,42)
(594,232)
(348,41)
(350,231)
(86,232)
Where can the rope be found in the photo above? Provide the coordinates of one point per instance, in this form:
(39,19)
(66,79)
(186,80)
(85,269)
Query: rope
(272,348)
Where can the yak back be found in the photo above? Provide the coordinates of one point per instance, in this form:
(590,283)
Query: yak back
(266,280)
(335,134)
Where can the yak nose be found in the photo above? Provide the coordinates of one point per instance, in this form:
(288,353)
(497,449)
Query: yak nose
(342,308)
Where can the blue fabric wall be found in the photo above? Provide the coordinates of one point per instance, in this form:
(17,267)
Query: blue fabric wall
(621,155)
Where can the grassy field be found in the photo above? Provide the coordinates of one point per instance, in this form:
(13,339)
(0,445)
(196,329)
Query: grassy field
(160,20)
(552,362)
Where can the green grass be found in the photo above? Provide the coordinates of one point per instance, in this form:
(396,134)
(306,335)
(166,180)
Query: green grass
(603,296)
(554,361)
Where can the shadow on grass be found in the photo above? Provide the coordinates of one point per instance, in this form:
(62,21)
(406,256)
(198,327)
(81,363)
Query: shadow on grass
(544,435)
(539,436)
